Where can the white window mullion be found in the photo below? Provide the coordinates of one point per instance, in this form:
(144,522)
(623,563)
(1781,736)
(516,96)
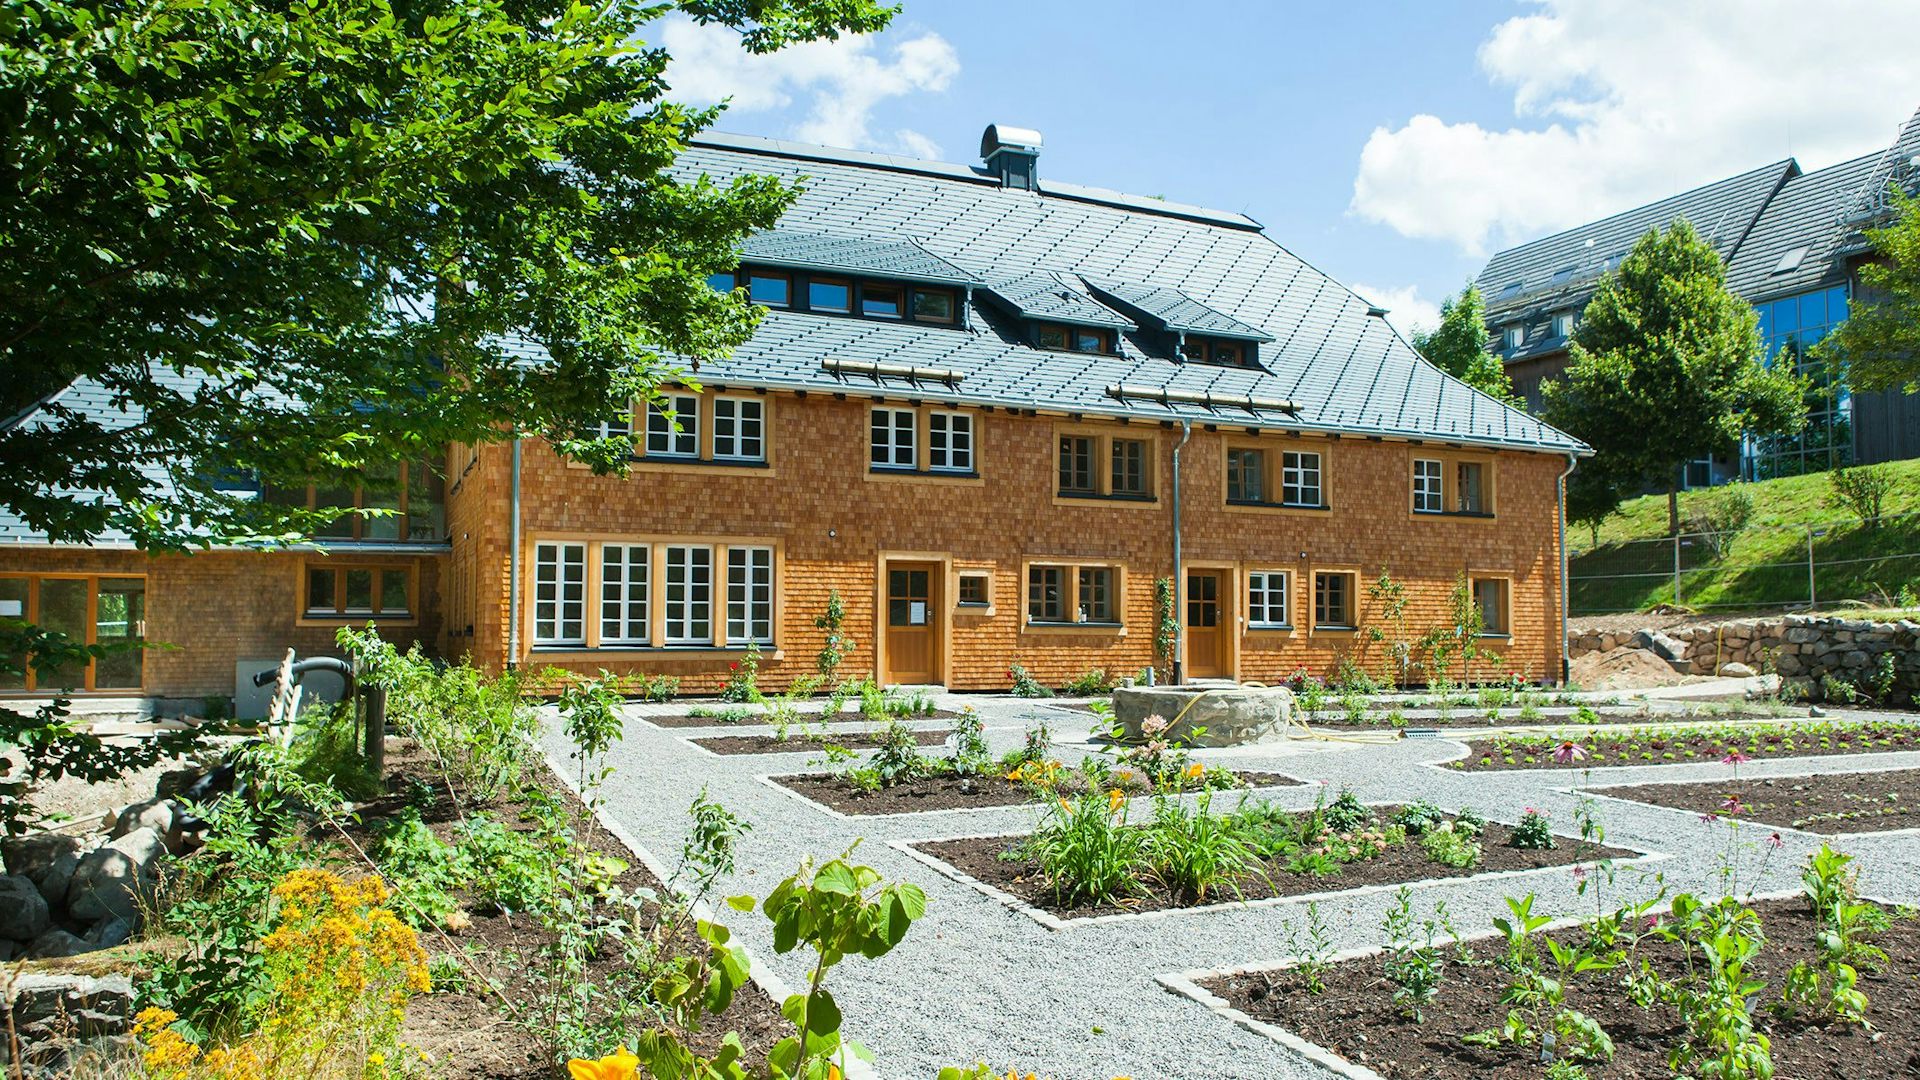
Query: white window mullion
(559,594)
(750,595)
(623,594)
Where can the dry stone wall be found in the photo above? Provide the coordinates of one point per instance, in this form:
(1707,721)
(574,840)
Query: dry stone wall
(1799,647)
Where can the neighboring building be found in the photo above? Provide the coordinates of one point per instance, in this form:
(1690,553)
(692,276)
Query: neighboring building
(1792,242)
(961,413)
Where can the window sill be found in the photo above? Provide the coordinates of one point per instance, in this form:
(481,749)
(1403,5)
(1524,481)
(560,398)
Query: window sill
(583,651)
(1495,635)
(1035,626)
(1335,628)
(1094,496)
(880,472)
(973,609)
(1272,628)
(1470,515)
(355,618)
(1255,504)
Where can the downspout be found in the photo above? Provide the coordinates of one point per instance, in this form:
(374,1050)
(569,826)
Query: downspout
(1179,579)
(513,566)
(1566,587)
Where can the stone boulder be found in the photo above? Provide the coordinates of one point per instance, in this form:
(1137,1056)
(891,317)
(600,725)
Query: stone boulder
(156,814)
(1736,670)
(23,911)
(53,1006)
(46,859)
(55,944)
(115,879)
(1232,716)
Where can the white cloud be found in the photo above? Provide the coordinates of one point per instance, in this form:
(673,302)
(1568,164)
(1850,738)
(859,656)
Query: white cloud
(1406,309)
(1627,101)
(840,81)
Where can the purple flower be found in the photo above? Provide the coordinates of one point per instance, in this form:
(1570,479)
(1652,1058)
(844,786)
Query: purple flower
(1579,872)
(1775,842)
(1734,757)
(1569,752)
(1709,818)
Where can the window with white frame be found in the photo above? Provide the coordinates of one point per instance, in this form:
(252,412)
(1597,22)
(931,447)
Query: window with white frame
(1267,598)
(1563,325)
(1427,495)
(674,430)
(739,429)
(949,442)
(892,445)
(689,595)
(559,594)
(623,594)
(621,426)
(750,595)
(1300,479)
(1514,336)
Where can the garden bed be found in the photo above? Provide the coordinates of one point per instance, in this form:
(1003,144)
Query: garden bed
(946,792)
(1000,862)
(759,718)
(807,742)
(1356,1018)
(1826,803)
(1648,746)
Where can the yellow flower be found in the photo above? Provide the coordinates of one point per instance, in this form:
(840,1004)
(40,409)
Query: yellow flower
(1115,799)
(619,1065)
(1196,770)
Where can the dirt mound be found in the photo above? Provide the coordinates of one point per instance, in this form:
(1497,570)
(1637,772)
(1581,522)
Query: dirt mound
(1623,669)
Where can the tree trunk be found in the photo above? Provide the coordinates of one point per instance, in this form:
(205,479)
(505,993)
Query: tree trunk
(1673,507)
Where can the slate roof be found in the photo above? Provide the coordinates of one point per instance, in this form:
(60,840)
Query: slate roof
(901,259)
(1559,272)
(1805,214)
(1050,296)
(1171,309)
(1347,370)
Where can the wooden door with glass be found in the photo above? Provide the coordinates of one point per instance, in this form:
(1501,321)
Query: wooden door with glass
(912,623)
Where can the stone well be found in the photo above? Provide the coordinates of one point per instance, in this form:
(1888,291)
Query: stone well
(1232,715)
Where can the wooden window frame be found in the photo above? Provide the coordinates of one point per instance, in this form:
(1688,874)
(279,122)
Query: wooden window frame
(402,517)
(1276,449)
(750,273)
(1103,437)
(656,645)
(29,683)
(1288,578)
(922,470)
(853,294)
(1505,580)
(961,575)
(1070,332)
(1070,568)
(340,614)
(953,305)
(704,426)
(1450,462)
(896,288)
(1352,574)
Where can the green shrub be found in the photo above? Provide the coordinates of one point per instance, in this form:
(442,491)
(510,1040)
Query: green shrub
(725,714)
(1192,852)
(657,688)
(1347,812)
(899,760)
(424,869)
(1086,851)
(743,678)
(514,870)
(1449,848)
(1418,816)
(1025,685)
(326,750)
(1469,823)
(1861,490)
(1533,833)
(1093,682)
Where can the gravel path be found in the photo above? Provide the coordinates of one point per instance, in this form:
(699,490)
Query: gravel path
(976,981)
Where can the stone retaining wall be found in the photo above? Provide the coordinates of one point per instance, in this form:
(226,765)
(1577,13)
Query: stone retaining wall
(1796,646)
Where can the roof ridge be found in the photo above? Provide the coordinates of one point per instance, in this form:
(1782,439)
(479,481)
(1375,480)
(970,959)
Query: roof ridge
(1789,162)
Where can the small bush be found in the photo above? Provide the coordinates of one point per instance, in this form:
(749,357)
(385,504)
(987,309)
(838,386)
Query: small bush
(1093,682)
(1025,685)
(1449,848)
(1087,852)
(1861,490)
(1722,515)
(1533,833)
(1419,816)
(657,688)
(1347,812)
(1469,823)
(1193,852)
(743,678)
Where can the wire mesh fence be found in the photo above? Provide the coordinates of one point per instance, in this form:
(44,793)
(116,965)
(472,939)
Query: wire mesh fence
(1759,567)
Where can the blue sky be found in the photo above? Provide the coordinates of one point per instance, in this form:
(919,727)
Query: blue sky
(1393,145)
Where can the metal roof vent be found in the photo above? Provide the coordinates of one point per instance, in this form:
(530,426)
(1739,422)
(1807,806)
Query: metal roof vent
(1013,155)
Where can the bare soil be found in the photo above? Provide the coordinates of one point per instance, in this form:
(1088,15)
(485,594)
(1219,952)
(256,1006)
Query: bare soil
(1623,669)
(796,743)
(998,861)
(1666,747)
(1828,803)
(813,716)
(945,792)
(1356,1018)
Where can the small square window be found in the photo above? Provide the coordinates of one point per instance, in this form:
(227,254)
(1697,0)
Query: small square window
(1563,325)
(1052,337)
(974,590)
(1229,354)
(320,597)
(1267,598)
(829,295)
(933,305)
(1046,594)
(1333,600)
(880,301)
(773,290)
(1246,476)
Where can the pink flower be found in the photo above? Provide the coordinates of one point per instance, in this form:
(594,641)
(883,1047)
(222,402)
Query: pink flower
(1153,725)
(1732,805)
(1709,818)
(1579,873)
(1735,757)
(1775,842)
(1569,752)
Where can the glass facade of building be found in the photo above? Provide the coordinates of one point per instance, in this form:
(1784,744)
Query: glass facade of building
(1790,327)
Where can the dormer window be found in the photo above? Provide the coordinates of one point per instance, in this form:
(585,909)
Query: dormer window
(1084,339)
(830,295)
(722,283)
(882,301)
(770,287)
(1204,350)
(1516,336)
(933,305)
(1563,325)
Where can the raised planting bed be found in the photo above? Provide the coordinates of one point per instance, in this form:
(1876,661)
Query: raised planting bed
(1828,803)
(806,742)
(947,792)
(1355,1016)
(1367,854)
(1666,746)
(743,716)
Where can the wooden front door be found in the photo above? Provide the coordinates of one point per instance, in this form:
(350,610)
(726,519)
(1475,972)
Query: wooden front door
(1206,625)
(912,623)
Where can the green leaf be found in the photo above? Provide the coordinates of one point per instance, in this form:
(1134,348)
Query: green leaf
(741,903)
(835,877)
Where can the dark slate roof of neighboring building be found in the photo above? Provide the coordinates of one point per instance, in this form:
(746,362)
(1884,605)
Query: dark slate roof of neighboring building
(1345,368)
(1559,272)
(1795,245)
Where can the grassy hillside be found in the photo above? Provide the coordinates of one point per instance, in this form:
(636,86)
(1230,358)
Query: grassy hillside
(1766,566)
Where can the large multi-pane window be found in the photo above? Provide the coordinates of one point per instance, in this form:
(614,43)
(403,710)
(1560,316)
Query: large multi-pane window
(1046,594)
(1789,329)
(739,429)
(624,570)
(411,493)
(88,610)
(750,595)
(949,442)
(674,431)
(346,591)
(1073,595)
(1267,598)
(689,599)
(559,594)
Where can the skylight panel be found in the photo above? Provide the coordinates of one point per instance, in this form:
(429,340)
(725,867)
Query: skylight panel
(1791,260)
(1562,276)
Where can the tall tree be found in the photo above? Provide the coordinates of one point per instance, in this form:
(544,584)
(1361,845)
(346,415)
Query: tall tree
(291,238)
(1878,347)
(1667,369)
(1462,347)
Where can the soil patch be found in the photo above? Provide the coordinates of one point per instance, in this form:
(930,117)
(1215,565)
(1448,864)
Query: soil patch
(997,861)
(1697,745)
(1623,669)
(946,792)
(468,1032)
(1356,1018)
(805,743)
(1828,803)
(759,719)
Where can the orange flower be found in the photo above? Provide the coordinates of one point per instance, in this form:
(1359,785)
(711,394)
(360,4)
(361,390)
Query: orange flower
(619,1065)
(1115,799)
(1196,770)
